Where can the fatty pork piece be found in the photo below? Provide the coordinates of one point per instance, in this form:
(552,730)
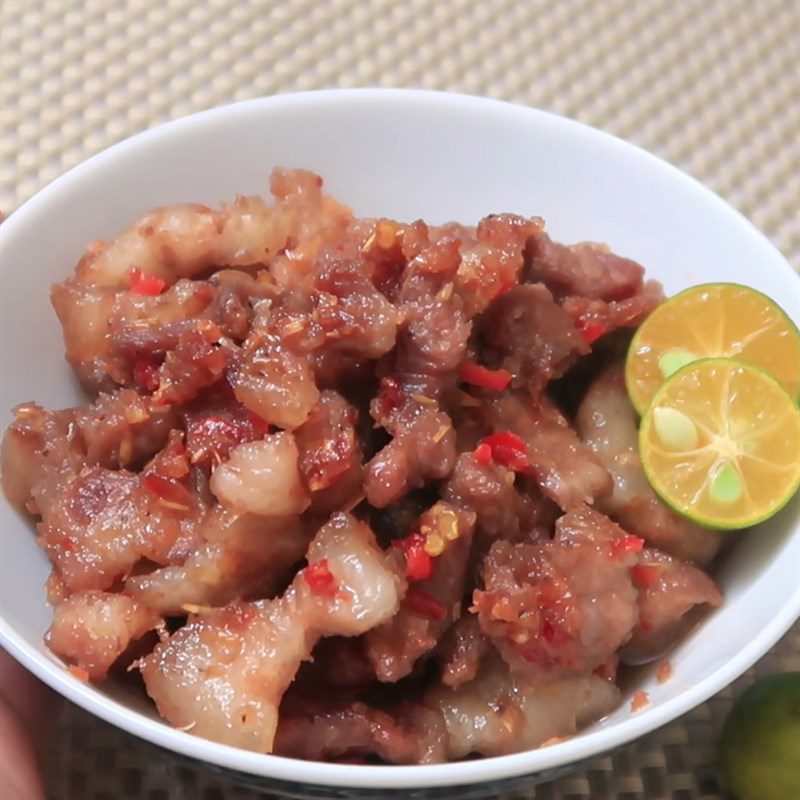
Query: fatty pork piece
(606,422)
(500,712)
(91,630)
(42,449)
(672,597)
(422,449)
(595,318)
(433,342)
(431,603)
(565,469)
(492,258)
(120,336)
(337,315)
(327,730)
(262,477)
(338,310)
(505,507)
(461,651)
(330,454)
(273,382)
(224,673)
(586,269)
(562,607)
(183,241)
(124,428)
(238,556)
(99,523)
(430,348)
(138,324)
(531,336)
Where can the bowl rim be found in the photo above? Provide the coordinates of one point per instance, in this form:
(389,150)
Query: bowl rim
(582,746)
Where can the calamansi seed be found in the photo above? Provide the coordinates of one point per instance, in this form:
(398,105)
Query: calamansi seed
(726,484)
(670,361)
(675,430)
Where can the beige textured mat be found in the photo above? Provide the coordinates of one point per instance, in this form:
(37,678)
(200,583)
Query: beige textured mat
(714,87)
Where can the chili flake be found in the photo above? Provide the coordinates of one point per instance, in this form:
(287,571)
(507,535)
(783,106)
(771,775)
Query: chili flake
(477,375)
(319,578)
(483,454)
(509,451)
(591,330)
(623,545)
(419,564)
(146,284)
(644,574)
(169,491)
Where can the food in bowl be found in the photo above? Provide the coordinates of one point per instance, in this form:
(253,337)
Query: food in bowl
(351,488)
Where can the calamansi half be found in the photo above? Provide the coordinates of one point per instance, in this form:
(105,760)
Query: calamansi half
(714,319)
(720,443)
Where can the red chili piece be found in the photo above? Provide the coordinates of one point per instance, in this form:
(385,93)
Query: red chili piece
(483,454)
(168,490)
(146,284)
(623,545)
(319,578)
(145,373)
(424,604)
(645,574)
(419,565)
(591,330)
(477,375)
(509,450)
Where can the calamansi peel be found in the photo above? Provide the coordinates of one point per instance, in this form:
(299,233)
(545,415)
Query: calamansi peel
(712,320)
(720,443)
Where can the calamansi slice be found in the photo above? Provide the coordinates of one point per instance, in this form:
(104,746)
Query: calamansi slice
(715,319)
(720,443)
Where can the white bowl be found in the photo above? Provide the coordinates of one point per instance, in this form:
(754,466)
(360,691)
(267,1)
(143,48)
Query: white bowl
(402,154)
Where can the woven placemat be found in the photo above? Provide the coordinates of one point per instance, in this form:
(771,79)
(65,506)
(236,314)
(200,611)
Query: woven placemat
(714,87)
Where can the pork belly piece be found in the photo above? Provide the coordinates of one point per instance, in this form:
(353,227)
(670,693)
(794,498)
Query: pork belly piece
(99,524)
(562,607)
(262,477)
(606,422)
(531,336)
(461,650)
(431,603)
(596,318)
(422,448)
(330,459)
(498,713)
(586,269)
(91,630)
(564,467)
(327,730)
(237,556)
(505,507)
(673,595)
(224,673)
